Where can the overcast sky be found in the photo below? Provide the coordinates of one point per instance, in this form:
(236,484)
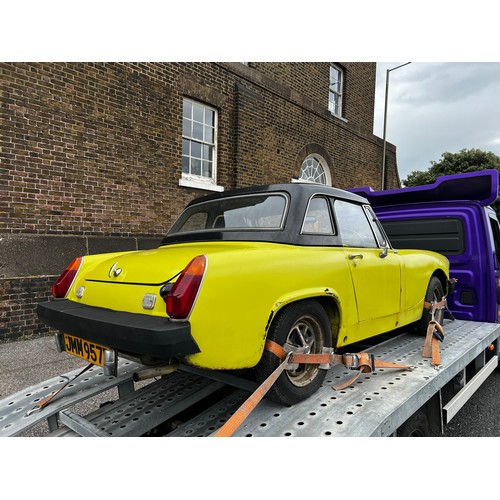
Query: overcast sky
(437,107)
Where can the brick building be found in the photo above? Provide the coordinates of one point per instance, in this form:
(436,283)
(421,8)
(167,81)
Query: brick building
(100,157)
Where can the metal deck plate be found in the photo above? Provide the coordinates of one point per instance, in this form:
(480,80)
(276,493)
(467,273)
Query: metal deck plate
(209,421)
(149,406)
(13,409)
(375,405)
(378,403)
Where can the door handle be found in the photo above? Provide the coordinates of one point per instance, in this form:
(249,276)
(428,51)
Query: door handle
(353,256)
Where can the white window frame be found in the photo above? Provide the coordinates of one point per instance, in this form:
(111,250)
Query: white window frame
(335,90)
(199,181)
(311,163)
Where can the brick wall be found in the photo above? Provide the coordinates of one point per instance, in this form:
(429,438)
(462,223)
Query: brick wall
(312,80)
(19,297)
(91,154)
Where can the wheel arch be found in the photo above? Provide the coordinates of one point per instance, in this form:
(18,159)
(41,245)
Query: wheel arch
(443,278)
(326,297)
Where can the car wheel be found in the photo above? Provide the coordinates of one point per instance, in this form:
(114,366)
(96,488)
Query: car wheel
(434,294)
(302,327)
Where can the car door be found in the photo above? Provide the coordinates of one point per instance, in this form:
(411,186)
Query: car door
(375,269)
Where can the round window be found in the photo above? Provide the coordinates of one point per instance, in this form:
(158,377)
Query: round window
(314,169)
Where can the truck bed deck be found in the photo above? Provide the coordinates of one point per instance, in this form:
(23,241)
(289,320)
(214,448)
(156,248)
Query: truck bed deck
(197,403)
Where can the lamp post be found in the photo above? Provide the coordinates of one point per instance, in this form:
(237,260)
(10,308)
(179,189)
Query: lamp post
(385,118)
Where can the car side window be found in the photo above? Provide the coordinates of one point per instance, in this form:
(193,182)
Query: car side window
(354,228)
(317,219)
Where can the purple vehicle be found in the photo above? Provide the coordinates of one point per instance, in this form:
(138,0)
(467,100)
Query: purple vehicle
(452,216)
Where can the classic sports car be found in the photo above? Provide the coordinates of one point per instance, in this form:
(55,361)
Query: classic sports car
(305,265)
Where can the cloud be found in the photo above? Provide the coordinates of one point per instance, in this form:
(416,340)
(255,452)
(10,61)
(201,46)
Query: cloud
(437,107)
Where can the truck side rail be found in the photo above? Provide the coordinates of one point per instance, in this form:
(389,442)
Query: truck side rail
(481,186)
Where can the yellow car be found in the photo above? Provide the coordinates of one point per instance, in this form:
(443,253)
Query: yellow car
(305,265)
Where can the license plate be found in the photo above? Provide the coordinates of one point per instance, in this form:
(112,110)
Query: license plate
(90,351)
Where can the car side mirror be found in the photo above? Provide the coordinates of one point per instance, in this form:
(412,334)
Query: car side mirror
(383,254)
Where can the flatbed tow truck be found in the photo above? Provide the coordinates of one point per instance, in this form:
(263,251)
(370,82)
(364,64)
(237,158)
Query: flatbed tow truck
(380,402)
(192,402)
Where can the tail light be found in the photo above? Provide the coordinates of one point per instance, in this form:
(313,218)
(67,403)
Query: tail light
(181,298)
(61,287)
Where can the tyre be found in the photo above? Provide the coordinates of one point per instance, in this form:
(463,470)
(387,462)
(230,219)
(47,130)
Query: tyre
(416,426)
(434,293)
(299,325)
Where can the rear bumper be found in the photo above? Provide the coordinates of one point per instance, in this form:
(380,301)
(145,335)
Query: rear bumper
(137,334)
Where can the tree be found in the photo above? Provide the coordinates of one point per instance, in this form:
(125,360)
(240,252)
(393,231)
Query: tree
(466,160)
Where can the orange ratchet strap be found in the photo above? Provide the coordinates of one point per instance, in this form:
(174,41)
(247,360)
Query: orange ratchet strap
(435,334)
(45,401)
(361,361)
(248,406)
(364,362)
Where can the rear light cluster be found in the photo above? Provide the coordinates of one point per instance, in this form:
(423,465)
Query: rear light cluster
(181,298)
(61,287)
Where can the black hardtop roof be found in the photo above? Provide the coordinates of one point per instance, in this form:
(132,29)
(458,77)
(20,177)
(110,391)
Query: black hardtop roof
(299,194)
(294,189)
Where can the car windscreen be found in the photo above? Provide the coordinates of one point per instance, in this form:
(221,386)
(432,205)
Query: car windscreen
(242,213)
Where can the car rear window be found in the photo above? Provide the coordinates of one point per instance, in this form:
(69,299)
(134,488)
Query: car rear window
(253,212)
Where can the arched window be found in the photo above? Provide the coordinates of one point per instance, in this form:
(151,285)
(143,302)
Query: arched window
(315,169)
